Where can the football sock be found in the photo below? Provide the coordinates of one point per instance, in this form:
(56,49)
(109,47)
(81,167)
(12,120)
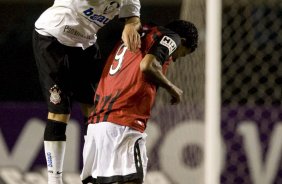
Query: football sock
(54,147)
(54,153)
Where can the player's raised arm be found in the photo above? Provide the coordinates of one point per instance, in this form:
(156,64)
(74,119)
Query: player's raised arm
(130,35)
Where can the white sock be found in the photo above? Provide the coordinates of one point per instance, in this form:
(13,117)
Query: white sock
(55,153)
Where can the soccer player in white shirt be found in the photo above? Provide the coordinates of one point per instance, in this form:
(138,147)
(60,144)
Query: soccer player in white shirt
(67,55)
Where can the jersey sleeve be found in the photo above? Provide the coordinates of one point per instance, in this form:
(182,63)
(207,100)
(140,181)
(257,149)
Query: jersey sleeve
(130,8)
(164,46)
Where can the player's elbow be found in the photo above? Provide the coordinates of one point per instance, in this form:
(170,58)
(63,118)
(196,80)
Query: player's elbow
(146,64)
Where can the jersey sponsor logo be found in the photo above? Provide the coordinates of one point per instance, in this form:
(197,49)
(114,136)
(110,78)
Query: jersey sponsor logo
(95,17)
(98,18)
(168,43)
(55,97)
(70,30)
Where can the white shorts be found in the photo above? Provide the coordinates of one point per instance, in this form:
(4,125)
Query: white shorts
(113,153)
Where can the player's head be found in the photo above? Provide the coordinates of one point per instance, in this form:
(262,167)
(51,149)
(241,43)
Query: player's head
(189,37)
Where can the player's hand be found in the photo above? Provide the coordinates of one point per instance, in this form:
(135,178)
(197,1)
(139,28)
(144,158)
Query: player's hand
(131,37)
(176,95)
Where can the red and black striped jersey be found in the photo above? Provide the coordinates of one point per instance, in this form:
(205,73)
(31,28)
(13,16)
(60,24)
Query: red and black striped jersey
(124,96)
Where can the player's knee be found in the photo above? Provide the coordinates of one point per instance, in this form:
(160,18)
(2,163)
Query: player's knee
(59,117)
(55,131)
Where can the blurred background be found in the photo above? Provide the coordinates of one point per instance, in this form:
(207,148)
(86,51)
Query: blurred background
(251,112)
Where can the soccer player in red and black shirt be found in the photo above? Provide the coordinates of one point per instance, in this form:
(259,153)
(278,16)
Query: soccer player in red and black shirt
(114,149)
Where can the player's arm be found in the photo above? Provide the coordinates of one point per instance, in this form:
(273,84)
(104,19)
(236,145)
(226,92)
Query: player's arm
(152,69)
(130,35)
(130,12)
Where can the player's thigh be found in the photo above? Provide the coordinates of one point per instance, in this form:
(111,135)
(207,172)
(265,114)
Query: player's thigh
(85,68)
(50,59)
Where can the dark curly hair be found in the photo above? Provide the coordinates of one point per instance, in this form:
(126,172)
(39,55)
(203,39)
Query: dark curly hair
(187,30)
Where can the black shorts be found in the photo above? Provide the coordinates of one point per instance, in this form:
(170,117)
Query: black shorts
(66,74)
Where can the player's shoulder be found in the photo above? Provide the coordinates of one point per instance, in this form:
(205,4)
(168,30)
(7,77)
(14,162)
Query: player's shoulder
(159,32)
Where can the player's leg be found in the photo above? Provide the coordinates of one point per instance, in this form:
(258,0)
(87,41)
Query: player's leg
(50,60)
(85,68)
(55,145)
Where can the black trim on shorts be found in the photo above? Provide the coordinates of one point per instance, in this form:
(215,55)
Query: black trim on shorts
(112,179)
(136,177)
